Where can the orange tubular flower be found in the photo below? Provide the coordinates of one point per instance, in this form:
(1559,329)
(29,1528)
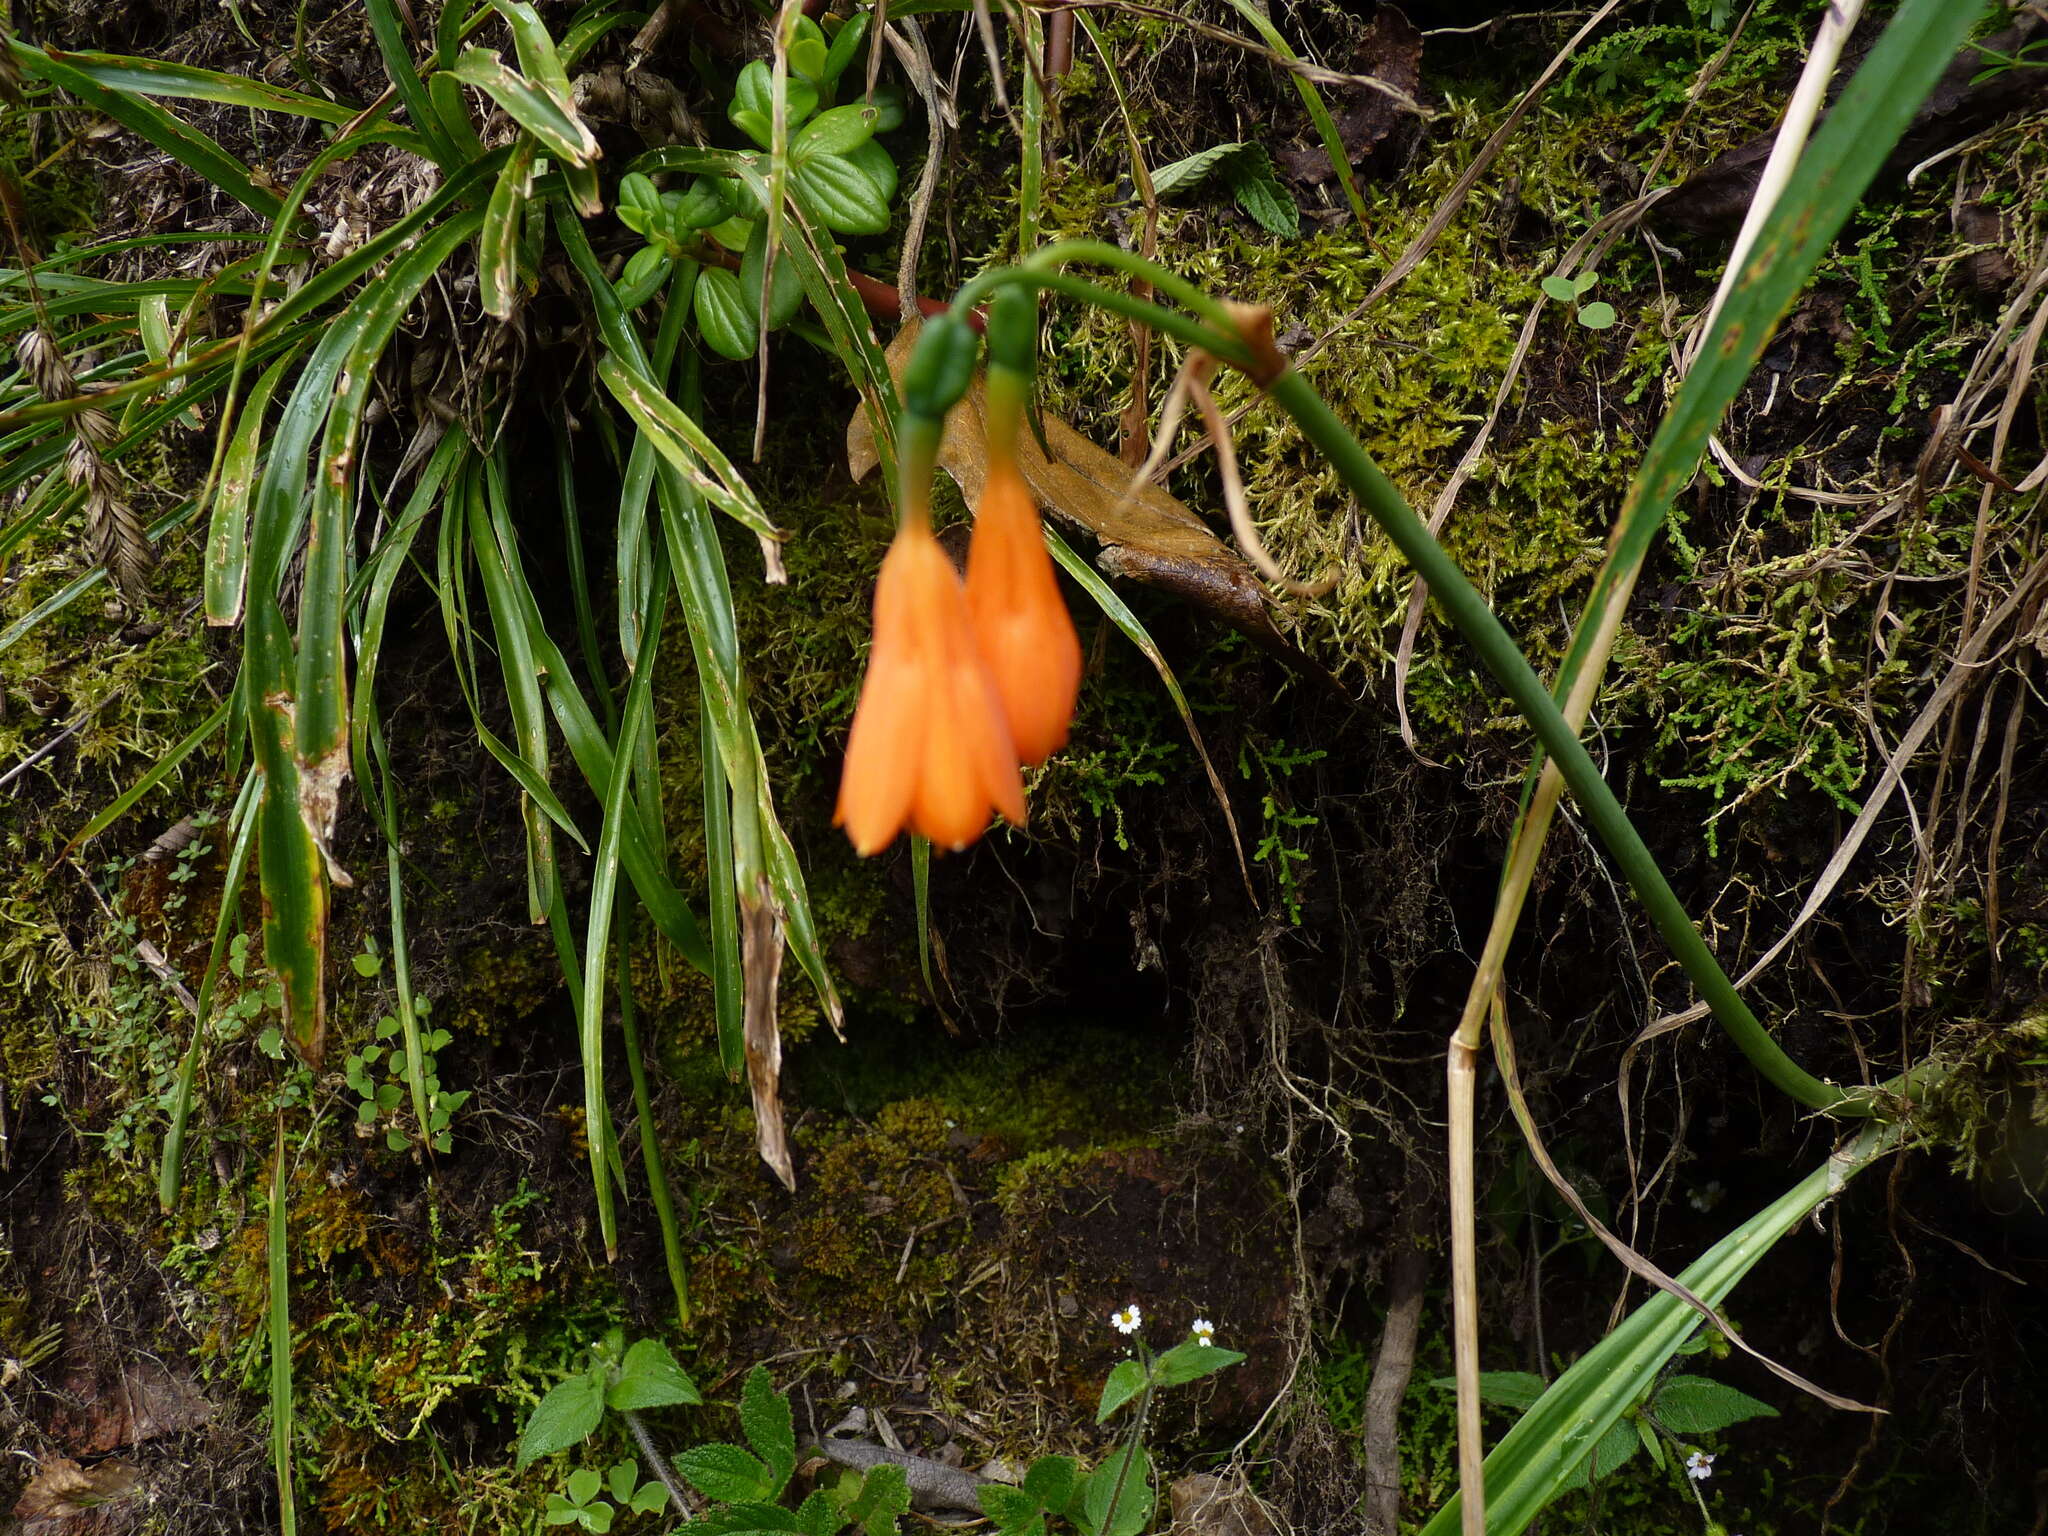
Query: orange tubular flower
(1020,619)
(930,748)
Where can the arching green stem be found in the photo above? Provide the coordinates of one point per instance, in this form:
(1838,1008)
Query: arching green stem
(1475,620)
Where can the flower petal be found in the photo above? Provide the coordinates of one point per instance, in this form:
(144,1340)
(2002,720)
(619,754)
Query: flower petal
(930,746)
(1020,620)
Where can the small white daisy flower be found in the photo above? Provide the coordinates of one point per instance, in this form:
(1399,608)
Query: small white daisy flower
(1203,1330)
(1127,1320)
(1699,1466)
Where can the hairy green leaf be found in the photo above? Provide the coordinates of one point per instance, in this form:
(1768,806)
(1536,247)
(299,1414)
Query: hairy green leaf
(650,1378)
(1699,1405)
(726,1473)
(770,1428)
(567,1416)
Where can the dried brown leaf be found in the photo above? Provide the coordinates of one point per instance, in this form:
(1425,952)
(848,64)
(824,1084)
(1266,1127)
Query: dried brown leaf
(1149,537)
(64,1497)
(761,963)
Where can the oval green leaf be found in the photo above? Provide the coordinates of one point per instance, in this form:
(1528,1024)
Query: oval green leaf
(841,196)
(724,317)
(788,294)
(840,131)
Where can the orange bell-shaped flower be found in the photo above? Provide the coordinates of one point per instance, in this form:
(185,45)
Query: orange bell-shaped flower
(930,748)
(1020,619)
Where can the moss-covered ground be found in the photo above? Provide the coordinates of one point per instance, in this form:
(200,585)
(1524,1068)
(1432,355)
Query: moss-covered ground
(1135,1078)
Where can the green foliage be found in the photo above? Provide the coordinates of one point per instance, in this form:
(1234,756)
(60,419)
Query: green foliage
(1283,820)
(1248,170)
(840,176)
(626,1380)
(1678,1408)
(1117,1498)
(1596,316)
(579,1503)
(376,1074)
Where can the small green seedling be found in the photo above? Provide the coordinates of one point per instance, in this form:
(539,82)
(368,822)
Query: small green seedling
(580,1502)
(376,1075)
(1117,1498)
(1597,316)
(624,1380)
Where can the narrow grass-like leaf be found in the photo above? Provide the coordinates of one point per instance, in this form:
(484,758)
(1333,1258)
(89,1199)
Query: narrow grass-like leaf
(370,592)
(451,589)
(227,535)
(604,887)
(1032,129)
(401,950)
(538,60)
(389,30)
(241,830)
(686,446)
(580,594)
(196,151)
(1537,1457)
(702,587)
(450,106)
(921,902)
(289,858)
(722,906)
(289,862)
(497,267)
(162,77)
(590,25)
(302,304)
(490,538)
(560,130)
(633,547)
(591,749)
(161,769)
(319,691)
(650,1133)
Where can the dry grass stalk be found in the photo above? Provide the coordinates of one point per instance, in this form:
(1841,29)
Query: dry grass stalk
(114,532)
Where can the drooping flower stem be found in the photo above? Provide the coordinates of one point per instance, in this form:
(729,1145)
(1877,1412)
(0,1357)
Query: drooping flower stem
(1213,327)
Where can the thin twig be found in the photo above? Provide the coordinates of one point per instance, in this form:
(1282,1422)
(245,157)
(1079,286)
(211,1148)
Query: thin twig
(924,77)
(1234,502)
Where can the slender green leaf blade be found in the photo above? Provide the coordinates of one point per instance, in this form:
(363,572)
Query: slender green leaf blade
(556,124)
(1549,1442)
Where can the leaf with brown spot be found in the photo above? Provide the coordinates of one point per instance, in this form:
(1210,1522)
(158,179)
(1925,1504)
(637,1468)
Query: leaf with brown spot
(761,963)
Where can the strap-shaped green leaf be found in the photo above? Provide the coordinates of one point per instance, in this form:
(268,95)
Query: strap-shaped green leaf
(1548,1443)
(162,77)
(560,129)
(191,148)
